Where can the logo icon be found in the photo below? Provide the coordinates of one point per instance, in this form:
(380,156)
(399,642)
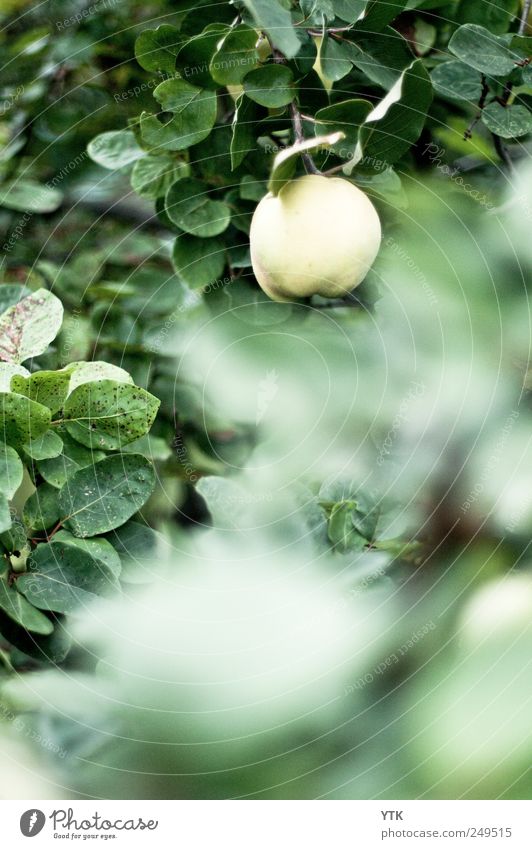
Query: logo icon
(32,822)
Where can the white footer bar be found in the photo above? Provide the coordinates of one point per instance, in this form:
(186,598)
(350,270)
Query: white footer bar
(268,824)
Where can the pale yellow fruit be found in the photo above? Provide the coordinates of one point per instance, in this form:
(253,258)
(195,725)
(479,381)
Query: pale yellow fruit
(318,236)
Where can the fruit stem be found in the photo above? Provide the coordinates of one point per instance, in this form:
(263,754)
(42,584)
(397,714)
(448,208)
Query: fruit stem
(310,165)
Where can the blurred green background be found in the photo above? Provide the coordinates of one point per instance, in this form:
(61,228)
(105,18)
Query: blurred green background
(338,603)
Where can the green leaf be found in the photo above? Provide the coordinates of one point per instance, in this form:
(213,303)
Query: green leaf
(115,149)
(285,162)
(5,514)
(107,414)
(251,188)
(509,122)
(315,11)
(198,261)
(22,420)
(226,501)
(276,21)
(382,57)
(103,554)
(385,139)
(386,184)
(15,538)
(104,496)
(235,56)
(195,56)
(379,13)
(21,611)
(11,470)
(194,113)
(88,372)
(133,540)
(189,206)
(156,49)
(457,81)
(243,130)
(74,457)
(271,86)
(29,196)
(341,530)
(45,447)
(136,545)
(27,328)
(496,17)
(41,510)
(45,387)
(152,447)
(347,117)
(349,10)
(62,577)
(480,49)
(335,58)
(152,176)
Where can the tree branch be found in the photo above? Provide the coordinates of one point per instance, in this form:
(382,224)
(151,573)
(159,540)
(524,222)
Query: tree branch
(310,165)
(524,17)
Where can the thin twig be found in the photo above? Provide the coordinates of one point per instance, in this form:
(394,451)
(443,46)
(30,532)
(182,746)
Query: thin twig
(502,150)
(481,103)
(329,30)
(310,165)
(524,17)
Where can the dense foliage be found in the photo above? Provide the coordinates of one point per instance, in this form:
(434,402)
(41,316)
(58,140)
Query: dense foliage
(289,541)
